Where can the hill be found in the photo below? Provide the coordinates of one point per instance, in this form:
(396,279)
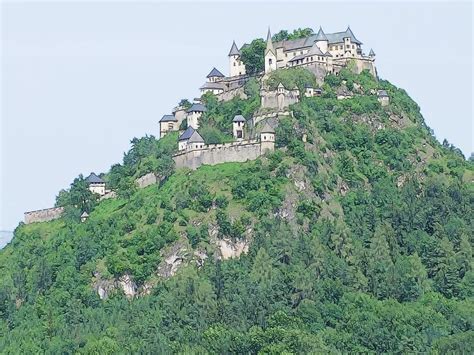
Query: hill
(355,235)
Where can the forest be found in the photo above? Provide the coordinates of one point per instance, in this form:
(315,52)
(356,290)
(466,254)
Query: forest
(359,226)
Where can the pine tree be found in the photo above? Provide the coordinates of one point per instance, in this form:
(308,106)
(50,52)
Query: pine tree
(379,265)
(447,277)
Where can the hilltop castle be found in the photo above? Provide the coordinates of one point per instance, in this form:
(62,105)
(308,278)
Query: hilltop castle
(328,51)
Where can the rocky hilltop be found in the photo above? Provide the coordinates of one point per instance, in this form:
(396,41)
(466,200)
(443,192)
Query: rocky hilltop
(354,235)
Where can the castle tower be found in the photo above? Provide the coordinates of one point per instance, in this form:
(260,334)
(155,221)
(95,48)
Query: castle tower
(270,55)
(267,139)
(236,67)
(238,124)
(322,40)
(194,113)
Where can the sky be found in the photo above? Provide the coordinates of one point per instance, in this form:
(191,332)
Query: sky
(79,80)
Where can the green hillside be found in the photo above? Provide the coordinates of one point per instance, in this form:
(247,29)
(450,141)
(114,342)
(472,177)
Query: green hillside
(359,229)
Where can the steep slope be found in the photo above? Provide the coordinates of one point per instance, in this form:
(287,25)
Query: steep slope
(355,235)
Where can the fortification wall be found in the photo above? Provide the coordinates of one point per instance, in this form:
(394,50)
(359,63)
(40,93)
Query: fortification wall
(219,153)
(273,99)
(44,215)
(230,94)
(146,180)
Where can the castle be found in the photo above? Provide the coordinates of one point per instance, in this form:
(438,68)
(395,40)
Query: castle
(321,53)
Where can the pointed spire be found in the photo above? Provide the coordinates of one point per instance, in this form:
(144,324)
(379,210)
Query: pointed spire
(234,50)
(321,36)
(371,53)
(269,43)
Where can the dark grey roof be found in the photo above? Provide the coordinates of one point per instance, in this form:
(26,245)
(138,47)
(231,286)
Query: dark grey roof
(371,53)
(208,85)
(321,36)
(308,85)
(94,179)
(267,128)
(313,51)
(336,37)
(197,108)
(382,93)
(239,118)
(186,134)
(168,118)
(234,50)
(195,138)
(215,73)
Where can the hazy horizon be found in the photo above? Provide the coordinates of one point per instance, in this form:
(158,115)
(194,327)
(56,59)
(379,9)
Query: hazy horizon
(80,80)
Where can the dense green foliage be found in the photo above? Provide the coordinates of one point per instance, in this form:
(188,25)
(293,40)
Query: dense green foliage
(253,56)
(284,35)
(360,241)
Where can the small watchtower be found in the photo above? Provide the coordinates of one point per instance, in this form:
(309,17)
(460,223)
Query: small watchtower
(267,138)
(238,124)
(96,184)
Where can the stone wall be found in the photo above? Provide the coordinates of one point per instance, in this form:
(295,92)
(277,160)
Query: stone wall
(44,215)
(146,180)
(219,153)
(278,100)
(230,94)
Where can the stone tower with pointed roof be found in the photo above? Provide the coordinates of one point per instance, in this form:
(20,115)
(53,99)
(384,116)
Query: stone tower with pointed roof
(236,66)
(270,54)
(321,40)
(267,138)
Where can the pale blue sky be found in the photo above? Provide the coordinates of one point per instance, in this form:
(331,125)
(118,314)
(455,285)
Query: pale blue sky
(80,80)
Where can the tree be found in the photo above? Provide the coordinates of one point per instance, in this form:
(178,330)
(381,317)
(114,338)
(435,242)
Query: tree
(379,264)
(447,277)
(253,56)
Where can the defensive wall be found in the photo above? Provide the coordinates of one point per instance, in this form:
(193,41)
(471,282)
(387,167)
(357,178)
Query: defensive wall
(44,215)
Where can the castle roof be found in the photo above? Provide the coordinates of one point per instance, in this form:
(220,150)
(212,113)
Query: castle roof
(234,50)
(195,138)
(371,53)
(336,37)
(168,118)
(267,128)
(239,118)
(186,134)
(313,51)
(215,73)
(84,214)
(196,107)
(208,85)
(308,86)
(94,179)
(321,36)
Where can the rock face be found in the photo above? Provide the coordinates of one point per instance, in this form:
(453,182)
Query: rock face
(104,287)
(127,285)
(232,249)
(173,258)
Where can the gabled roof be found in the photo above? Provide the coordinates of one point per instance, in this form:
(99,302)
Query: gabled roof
(239,118)
(336,37)
(168,118)
(186,134)
(234,50)
(195,138)
(84,214)
(280,85)
(208,85)
(197,108)
(308,86)
(321,36)
(215,73)
(371,53)
(94,179)
(267,128)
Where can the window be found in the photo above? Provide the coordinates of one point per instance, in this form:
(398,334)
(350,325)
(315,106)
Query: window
(239,134)
(235,64)
(269,61)
(264,137)
(340,47)
(286,55)
(170,126)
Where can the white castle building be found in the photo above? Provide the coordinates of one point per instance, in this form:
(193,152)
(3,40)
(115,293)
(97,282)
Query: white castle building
(330,51)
